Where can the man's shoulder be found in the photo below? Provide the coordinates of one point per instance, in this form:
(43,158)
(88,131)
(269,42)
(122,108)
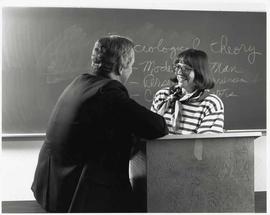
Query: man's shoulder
(114,85)
(114,89)
(96,81)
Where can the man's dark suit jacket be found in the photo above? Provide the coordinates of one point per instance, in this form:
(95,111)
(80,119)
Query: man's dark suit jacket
(83,164)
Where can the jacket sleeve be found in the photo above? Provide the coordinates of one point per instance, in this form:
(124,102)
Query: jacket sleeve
(143,122)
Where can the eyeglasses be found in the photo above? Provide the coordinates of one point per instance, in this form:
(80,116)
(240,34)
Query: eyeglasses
(181,69)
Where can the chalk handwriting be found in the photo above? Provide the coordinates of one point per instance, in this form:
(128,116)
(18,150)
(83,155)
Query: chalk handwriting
(133,82)
(150,66)
(235,80)
(134,95)
(162,48)
(222,47)
(224,74)
(151,81)
(225,93)
(218,67)
(148,95)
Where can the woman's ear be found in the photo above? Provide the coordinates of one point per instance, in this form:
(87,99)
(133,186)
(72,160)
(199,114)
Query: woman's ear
(179,79)
(191,76)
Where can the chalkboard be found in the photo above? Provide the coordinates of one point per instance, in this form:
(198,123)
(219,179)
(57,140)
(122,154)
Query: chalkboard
(45,48)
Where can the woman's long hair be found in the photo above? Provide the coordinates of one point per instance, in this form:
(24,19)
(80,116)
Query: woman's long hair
(198,61)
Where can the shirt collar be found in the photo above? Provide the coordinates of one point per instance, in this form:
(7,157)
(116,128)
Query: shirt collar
(187,95)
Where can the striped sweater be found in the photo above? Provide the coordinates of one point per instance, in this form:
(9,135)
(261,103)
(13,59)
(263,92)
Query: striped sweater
(202,113)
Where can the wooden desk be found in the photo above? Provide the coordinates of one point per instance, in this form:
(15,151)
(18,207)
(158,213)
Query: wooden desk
(201,173)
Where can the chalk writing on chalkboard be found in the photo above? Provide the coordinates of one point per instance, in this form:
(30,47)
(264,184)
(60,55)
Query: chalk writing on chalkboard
(157,74)
(222,47)
(161,47)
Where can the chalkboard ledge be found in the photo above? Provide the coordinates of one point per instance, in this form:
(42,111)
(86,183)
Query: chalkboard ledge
(228,133)
(211,136)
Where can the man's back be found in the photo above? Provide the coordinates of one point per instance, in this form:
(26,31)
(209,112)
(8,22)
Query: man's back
(88,142)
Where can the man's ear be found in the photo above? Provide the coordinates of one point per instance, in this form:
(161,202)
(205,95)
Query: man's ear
(120,69)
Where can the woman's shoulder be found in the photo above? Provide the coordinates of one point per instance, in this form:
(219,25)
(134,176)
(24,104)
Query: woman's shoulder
(215,101)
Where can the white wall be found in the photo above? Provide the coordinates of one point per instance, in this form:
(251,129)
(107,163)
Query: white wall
(19,160)
(260,161)
(18,163)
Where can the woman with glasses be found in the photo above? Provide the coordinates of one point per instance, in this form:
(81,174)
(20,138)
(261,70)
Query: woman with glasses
(187,106)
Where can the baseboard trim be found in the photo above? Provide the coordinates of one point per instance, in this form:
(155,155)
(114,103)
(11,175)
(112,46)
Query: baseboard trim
(260,202)
(34,207)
